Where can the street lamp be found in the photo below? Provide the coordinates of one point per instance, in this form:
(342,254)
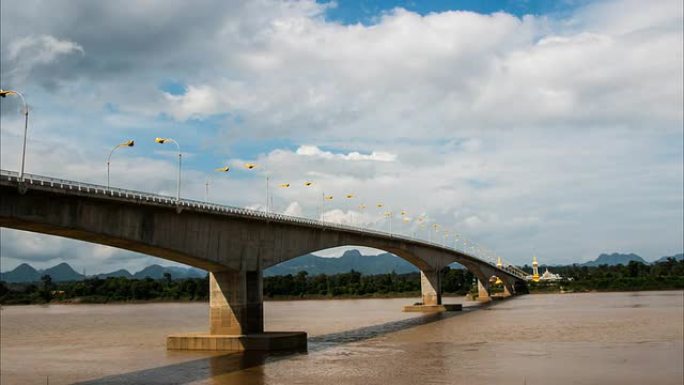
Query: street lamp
(349,209)
(206,185)
(388,215)
(252,166)
(4,94)
(435,226)
(180,157)
(325,198)
(128,143)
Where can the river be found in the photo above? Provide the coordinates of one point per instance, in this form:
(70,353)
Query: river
(596,338)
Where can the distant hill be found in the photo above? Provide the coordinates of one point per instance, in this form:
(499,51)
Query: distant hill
(116,274)
(26,273)
(157,272)
(312,264)
(351,259)
(62,272)
(22,273)
(614,259)
(678,257)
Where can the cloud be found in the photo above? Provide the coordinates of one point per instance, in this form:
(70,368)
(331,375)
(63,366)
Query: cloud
(194,103)
(293,209)
(307,150)
(42,49)
(26,53)
(558,133)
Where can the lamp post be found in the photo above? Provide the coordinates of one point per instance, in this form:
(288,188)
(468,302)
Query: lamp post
(388,214)
(309,184)
(362,207)
(252,166)
(180,157)
(5,93)
(435,226)
(206,185)
(128,143)
(325,198)
(350,210)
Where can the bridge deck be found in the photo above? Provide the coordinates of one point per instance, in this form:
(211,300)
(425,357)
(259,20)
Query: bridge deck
(92,190)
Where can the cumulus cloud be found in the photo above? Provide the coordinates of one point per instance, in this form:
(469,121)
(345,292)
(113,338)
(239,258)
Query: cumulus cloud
(41,49)
(28,52)
(314,151)
(558,133)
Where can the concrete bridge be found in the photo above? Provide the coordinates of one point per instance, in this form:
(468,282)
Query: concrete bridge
(235,245)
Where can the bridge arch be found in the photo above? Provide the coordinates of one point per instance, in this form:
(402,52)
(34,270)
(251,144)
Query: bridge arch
(234,245)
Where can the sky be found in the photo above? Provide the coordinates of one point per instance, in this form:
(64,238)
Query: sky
(530,127)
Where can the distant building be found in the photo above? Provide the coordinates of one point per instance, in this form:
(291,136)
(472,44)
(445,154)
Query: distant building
(547,276)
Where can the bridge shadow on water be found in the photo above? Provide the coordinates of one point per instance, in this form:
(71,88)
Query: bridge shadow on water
(207,368)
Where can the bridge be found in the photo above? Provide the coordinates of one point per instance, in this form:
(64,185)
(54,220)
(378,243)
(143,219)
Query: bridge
(233,244)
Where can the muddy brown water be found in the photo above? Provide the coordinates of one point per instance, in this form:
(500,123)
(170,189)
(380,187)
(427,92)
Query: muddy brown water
(596,338)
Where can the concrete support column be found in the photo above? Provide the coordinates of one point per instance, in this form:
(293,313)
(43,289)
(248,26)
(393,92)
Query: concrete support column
(236,304)
(483,291)
(507,289)
(236,318)
(431,288)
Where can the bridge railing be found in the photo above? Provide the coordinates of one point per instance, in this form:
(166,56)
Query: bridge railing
(126,194)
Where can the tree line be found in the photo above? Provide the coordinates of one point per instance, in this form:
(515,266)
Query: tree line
(634,276)
(355,284)
(301,285)
(112,289)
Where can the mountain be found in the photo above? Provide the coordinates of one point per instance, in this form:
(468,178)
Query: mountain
(351,259)
(614,259)
(22,273)
(26,273)
(678,257)
(157,272)
(119,273)
(62,272)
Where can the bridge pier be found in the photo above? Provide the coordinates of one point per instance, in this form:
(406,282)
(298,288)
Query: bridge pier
(236,318)
(483,290)
(431,293)
(431,288)
(508,289)
(236,303)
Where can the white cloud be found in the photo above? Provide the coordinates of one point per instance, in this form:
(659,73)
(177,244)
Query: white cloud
(380,156)
(195,102)
(44,49)
(293,209)
(559,134)
(30,51)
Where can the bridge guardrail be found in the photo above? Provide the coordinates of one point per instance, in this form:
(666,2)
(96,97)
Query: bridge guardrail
(115,192)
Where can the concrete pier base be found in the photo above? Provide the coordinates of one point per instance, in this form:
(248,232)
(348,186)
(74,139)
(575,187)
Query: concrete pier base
(483,291)
(432,308)
(261,342)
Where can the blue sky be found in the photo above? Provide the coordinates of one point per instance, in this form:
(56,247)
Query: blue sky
(556,133)
(367,11)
